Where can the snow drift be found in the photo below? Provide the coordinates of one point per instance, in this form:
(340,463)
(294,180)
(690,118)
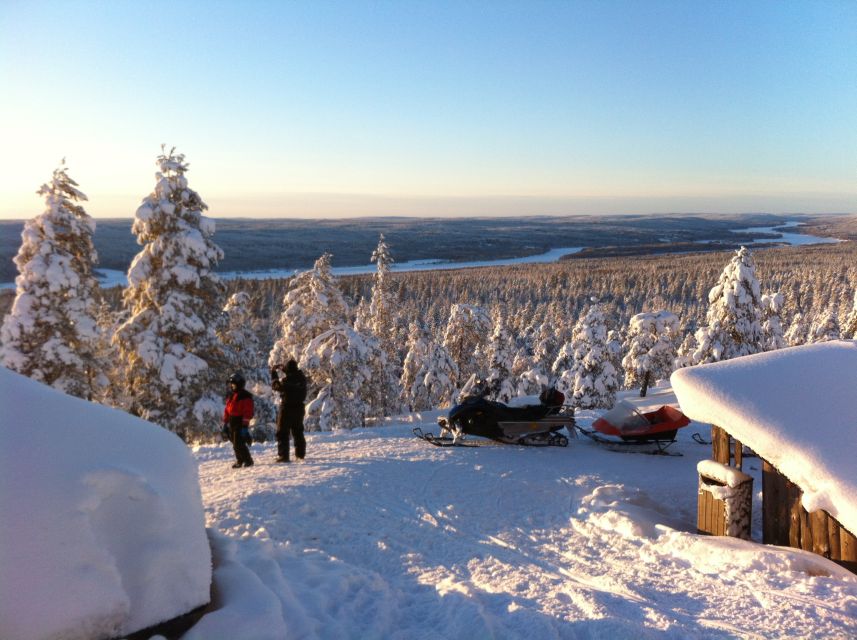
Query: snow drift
(102,523)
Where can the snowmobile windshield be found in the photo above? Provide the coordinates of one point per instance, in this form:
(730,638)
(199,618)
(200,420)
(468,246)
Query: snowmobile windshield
(626,418)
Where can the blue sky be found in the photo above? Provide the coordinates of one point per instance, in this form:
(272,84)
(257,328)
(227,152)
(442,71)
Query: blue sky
(433,108)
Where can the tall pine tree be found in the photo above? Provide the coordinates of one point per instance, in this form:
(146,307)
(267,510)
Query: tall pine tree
(312,305)
(593,378)
(379,321)
(501,355)
(734,314)
(170,352)
(337,361)
(650,348)
(51,333)
(466,333)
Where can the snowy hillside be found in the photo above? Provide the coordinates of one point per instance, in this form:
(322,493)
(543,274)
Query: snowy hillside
(380,535)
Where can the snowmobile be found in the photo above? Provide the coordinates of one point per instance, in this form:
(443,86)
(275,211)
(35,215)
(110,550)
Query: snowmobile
(532,425)
(625,428)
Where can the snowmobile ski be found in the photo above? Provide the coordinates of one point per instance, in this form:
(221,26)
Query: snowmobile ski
(446,441)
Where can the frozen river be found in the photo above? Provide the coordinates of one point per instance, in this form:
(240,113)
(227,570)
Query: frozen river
(112,277)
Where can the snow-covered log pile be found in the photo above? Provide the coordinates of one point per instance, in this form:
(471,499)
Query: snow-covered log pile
(796,408)
(101,519)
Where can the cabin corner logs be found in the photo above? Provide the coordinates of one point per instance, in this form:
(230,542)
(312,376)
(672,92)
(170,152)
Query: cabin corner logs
(784,520)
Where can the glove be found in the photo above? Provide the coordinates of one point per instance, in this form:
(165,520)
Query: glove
(245,434)
(225,431)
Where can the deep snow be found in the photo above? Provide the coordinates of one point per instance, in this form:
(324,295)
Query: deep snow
(101,522)
(380,535)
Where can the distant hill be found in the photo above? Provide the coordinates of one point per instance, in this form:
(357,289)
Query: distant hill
(257,244)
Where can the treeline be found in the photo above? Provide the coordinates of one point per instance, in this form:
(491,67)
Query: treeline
(812,280)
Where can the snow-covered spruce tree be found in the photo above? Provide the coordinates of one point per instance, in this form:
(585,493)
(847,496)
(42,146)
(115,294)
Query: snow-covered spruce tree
(798,331)
(593,377)
(382,314)
(107,355)
(650,348)
(242,352)
(439,375)
(467,331)
(684,356)
(849,331)
(615,348)
(51,333)
(545,347)
(337,363)
(772,324)
(171,356)
(414,394)
(825,327)
(500,360)
(312,305)
(734,314)
(527,373)
(380,322)
(428,374)
(563,370)
(380,392)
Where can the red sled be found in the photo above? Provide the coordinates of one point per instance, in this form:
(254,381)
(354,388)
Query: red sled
(631,429)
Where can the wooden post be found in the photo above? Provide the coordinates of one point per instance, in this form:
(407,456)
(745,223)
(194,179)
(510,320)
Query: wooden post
(719,445)
(739,453)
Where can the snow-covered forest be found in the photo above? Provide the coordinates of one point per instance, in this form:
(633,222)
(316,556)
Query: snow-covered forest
(374,346)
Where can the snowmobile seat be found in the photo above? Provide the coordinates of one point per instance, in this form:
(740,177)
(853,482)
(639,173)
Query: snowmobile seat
(521,414)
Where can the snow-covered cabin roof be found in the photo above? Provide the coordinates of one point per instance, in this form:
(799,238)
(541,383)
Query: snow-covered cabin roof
(102,529)
(796,408)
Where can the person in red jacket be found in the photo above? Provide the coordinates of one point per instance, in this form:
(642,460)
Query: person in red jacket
(236,418)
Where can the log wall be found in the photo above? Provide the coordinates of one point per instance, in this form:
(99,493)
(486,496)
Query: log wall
(785,522)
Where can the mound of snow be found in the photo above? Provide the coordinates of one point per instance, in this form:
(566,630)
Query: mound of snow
(101,519)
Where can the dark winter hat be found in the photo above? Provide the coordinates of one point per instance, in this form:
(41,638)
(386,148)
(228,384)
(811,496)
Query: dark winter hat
(291,366)
(237,378)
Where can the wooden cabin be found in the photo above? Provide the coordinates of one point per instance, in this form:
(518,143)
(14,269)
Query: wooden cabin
(797,410)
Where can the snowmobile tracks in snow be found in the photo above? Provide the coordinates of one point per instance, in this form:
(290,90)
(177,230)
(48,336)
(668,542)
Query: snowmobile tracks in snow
(541,440)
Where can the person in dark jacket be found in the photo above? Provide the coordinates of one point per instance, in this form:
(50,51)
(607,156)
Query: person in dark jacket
(290,419)
(236,419)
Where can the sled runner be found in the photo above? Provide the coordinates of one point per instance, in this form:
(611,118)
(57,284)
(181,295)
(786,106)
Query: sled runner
(534,425)
(624,428)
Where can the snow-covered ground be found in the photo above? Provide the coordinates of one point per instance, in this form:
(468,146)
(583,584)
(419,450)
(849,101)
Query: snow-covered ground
(380,535)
